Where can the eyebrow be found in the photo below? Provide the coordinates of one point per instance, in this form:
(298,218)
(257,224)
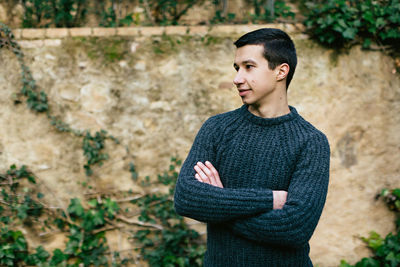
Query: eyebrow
(245,62)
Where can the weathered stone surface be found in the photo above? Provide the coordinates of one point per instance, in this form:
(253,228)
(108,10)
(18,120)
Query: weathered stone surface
(3,13)
(103,32)
(31,43)
(200,30)
(57,32)
(17,33)
(176,30)
(149,31)
(95,97)
(52,42)
(156,97)
(33,33)
(128,31)
(80,32)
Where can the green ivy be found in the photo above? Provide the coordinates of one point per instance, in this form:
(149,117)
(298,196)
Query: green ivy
(163,236)
(53,13)
(109,18)
(166,240)
(172,242)
(386,250)
(92,149)
(263,14)
(13,247)
(36,101)
(84,226)
(342,23)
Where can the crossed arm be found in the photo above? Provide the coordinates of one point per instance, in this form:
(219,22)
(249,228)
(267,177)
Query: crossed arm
(259,214)
(295,213)
(206,173)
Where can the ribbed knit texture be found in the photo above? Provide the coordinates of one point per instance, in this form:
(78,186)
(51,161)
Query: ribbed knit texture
(254,156)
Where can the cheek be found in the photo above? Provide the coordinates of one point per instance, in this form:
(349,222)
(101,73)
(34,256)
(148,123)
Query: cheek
(252,83)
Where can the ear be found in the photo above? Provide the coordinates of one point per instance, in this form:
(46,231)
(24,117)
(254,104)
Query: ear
(282,71)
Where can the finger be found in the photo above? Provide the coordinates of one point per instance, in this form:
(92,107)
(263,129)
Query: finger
(215,174)
(197,176)
(208,172)
(202,175)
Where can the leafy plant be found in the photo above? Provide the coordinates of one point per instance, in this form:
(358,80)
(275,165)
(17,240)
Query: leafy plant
(108,18)
(281,10)
(92,149)
(85,226)
(36,101)
(13,247)
(56,13)
(17,205)
(386,250)
(166,12)
(166,239)
(171,242)
(342,23)
(262,11)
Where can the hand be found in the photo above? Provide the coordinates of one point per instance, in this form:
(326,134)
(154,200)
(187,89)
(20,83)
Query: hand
(279,199)
(207,174)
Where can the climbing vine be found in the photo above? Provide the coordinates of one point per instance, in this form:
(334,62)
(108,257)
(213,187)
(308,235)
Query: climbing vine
(36,101)
(386,250)
(93,145)
(162,237)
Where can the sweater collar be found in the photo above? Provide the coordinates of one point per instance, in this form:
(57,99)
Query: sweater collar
(268,121)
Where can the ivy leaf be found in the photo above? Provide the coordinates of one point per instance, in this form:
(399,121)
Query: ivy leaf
(58,257)
(92,202)
(349,33)
(22,211)
(76,208)
(111,207)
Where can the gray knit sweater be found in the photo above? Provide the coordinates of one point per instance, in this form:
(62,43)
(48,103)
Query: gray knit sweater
(254,156)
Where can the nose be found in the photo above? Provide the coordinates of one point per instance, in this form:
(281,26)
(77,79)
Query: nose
(238,78)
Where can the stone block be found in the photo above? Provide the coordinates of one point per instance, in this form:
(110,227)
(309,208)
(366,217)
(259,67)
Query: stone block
(52,42)
(222,30)
(149,31)
(242,29)
(56,32)
(17,33)
(33,33)
(198,30)
(128,31)
(75,32)
(178,30)
(31,43)
(104,32)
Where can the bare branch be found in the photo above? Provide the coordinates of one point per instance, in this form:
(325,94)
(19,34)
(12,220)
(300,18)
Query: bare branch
(139,223)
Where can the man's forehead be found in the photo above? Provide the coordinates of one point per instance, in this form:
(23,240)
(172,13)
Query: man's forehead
(249,53)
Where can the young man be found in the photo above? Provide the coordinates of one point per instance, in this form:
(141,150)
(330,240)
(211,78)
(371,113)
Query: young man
(257,175)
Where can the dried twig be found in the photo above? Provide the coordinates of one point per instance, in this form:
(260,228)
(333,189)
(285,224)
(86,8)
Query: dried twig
(139,223)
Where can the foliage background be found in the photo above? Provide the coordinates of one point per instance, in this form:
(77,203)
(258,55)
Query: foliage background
(151,94)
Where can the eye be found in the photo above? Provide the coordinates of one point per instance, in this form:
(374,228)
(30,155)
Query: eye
(249,66)
(236,67)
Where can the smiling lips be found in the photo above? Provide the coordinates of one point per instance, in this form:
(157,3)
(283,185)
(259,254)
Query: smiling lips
(243,92)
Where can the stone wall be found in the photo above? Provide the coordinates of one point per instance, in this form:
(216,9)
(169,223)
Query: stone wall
(202,12)
(153,88)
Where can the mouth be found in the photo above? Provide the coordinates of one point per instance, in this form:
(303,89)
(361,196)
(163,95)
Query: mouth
(243,92)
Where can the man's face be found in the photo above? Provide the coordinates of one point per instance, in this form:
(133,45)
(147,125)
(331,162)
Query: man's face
(254,80)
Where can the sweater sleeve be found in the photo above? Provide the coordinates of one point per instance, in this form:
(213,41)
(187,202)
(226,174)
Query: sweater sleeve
(207,203)
(294,225)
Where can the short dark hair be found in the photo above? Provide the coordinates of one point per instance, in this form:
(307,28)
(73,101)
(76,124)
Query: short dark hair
(278,48)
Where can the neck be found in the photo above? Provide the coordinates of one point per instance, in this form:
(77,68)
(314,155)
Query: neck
(276,106)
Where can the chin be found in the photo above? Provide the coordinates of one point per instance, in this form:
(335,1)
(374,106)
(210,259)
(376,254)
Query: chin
(247,102)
